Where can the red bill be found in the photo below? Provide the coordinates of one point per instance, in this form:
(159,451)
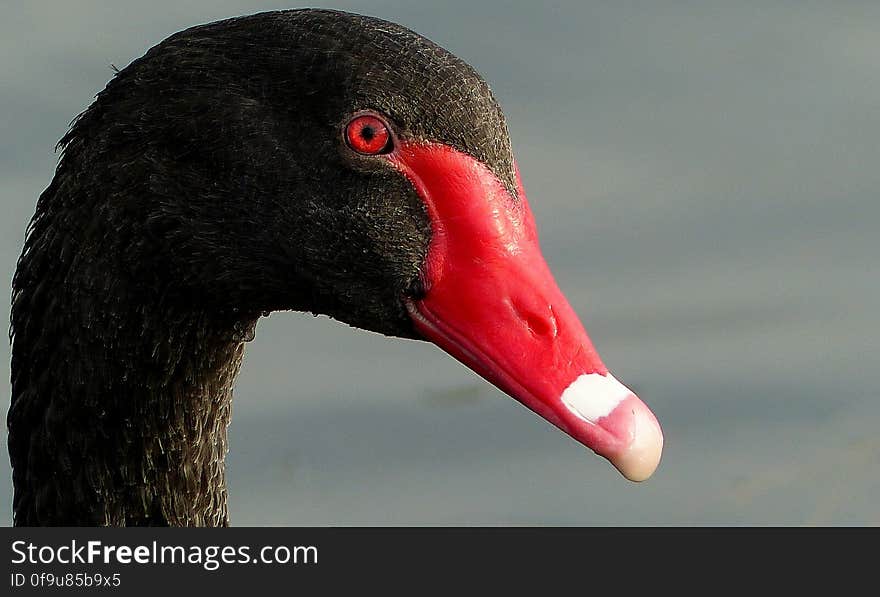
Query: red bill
(492,302)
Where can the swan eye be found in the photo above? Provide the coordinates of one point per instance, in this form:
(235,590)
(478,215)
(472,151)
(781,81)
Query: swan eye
(369,135)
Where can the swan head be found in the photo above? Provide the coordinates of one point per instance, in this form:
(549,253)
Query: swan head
(344,165)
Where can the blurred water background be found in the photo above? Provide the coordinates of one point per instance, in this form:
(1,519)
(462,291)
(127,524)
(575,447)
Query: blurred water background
(705,179)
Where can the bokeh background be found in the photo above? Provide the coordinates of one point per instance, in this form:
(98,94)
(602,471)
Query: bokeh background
(705,178)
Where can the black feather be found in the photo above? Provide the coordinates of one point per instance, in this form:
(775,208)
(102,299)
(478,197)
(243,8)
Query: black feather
(205,186)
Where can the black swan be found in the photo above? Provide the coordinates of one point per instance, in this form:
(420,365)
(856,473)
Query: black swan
(298,160)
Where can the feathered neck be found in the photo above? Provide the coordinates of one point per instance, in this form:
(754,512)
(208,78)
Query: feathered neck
(121,391)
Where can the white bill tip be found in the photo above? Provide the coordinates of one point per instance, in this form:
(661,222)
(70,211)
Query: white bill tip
(593,396)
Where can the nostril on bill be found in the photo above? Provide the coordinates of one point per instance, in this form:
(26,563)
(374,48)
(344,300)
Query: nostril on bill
(538,324)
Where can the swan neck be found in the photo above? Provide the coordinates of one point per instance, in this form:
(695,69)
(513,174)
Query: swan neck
(121,400)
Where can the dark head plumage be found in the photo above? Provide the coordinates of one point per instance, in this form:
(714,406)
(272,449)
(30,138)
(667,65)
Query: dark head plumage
(224,138)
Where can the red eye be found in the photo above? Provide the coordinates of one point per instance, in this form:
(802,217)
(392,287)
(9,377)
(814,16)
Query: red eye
(367,134)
